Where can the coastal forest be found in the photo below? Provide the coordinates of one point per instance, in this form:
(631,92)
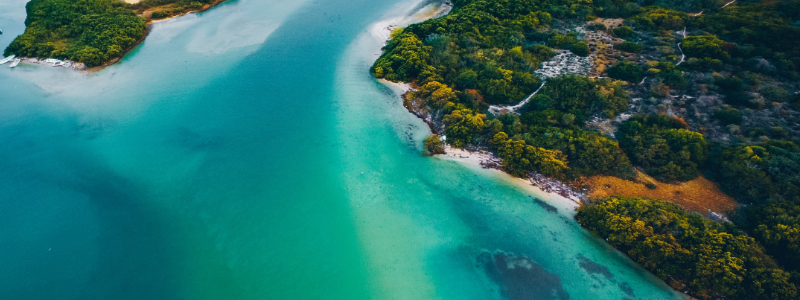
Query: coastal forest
(688,89)
(88,31)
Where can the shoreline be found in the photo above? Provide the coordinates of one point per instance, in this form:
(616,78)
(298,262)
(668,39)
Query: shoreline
(538,186)
(115,60)
(483,160)
(81,67)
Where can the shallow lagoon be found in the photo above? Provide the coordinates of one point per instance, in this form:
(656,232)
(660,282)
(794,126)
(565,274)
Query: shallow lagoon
(247,153)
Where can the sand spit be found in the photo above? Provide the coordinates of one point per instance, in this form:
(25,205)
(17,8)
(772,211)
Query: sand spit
(82,67)
(71,65)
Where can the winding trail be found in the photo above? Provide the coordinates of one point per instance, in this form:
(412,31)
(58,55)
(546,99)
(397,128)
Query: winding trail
(497,109)
(726,4)
(683,56)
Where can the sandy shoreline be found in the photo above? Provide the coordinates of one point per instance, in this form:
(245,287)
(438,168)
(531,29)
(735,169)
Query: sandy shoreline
(489,162)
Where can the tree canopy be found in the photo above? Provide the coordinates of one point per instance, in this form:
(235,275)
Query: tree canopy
(709,259)
(88,31)
(583,97)
(663,146)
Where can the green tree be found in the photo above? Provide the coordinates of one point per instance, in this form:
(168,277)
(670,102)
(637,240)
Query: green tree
(581,49)
(436,94)
(87,31)
(728,115)
(623,32)
(583,96)
(405,60)
(629,47)
(433,145)
(704,47)
(709,259)
(520,158)
(562,41)
(663,147)
(655,18)
(627,71)
(462,126)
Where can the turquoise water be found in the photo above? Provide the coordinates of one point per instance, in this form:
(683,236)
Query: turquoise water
(246,153)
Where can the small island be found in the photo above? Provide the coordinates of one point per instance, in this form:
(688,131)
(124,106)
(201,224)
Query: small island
(92,33)
(674,123)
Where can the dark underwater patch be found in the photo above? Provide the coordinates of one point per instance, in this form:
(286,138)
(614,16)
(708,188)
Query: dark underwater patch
(545,205)
(593,268)
(626,288)
(519,278)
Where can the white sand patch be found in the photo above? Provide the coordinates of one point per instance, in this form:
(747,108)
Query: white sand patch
(477,158)
(399,88)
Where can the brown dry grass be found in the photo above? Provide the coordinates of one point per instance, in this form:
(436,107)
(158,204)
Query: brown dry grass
(603,44)
(699,195)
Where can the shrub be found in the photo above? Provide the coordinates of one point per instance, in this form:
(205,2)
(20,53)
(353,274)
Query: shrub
(159,14)
(581,49)
(623,32)
(629,47)
(462,126)
(728,115)
(597,27)
(704,47)
(655,18)
(626,71)
(663,147)
(705,63)
(561,41)
(433,145)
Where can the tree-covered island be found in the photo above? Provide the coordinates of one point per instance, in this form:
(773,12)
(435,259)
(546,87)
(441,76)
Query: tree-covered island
(92,32)
(678,91)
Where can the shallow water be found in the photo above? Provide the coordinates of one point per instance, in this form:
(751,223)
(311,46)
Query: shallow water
(247,153)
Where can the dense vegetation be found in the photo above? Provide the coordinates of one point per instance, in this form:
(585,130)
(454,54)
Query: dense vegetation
(754,29)
(758,173)
(88,31)
(627,71)
(741,63)
(177,4)
(553,121)
(659,18)
(582,97)
(777,226)
(492,48)
(708,259)
(663,147)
